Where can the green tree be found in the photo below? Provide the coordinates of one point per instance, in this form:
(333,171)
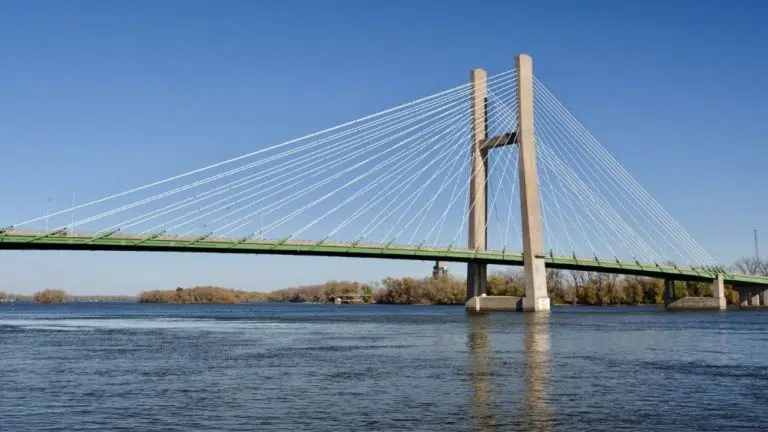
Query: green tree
(367,293)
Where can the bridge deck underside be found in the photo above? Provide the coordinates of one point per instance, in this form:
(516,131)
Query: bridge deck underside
(353,250)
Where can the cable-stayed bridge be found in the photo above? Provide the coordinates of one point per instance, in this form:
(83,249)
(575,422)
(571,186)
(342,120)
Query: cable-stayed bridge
(494,171)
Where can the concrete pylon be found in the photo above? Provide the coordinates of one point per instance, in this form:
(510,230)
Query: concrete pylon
(478,181)
(718,291)
(669,291)
(536,298)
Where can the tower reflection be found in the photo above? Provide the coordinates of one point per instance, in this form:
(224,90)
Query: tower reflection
(534,414)
(481,406)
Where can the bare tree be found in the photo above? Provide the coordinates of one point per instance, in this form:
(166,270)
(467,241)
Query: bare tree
(752,266)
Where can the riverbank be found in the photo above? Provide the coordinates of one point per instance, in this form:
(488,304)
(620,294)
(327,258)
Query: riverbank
(564,287)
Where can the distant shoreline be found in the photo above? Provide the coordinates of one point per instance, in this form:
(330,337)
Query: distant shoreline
(565,288)
(136,301)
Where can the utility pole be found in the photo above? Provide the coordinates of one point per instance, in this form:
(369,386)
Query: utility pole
(757,248)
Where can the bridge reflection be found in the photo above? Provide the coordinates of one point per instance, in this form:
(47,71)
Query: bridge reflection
(534,412)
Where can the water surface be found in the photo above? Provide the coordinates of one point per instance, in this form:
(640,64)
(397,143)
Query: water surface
(289,367)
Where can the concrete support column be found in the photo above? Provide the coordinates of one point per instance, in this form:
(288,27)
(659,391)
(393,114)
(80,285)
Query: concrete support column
(478,182)
(476,280)
(718,290)
(536,298)
(669,291)
(754,300)
(743,298)
(765,297)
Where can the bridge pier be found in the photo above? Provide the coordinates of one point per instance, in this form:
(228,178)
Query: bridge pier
(669,292)
(477,278)
(718,291)
(751,297)
(716,302)
(743,298)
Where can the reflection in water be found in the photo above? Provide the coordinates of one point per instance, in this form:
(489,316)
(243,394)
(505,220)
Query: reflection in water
(535,413)
(482,407)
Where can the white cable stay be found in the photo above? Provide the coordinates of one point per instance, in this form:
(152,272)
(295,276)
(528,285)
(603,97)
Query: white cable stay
(513,120)
(501,128)
(564,172)
(605,217)
(387,212)
(457,190)
(301,163)
(452,168)
(291,198)
(177,190)
(630,185)
(164,194)
(428,145)
(579,160)
(257,152)
(355,140)
(411,202)
(463,115)
(355,180)
(544,175)
(303,192)
(307,173)
(456,132)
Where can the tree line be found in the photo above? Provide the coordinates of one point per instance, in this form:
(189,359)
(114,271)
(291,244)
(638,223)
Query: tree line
(61,296)
(201,295)
(323,293)
(564,287)
(751,266)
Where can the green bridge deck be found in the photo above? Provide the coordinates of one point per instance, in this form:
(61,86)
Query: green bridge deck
(42,241)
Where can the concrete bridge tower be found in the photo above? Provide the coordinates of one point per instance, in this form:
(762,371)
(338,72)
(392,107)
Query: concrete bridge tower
(536,298)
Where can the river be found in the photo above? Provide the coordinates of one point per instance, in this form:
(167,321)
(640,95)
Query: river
(289,367)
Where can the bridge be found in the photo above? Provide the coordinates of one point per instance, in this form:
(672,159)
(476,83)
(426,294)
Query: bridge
(440,178)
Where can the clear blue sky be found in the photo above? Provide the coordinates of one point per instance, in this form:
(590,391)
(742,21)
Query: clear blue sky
(99,96)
